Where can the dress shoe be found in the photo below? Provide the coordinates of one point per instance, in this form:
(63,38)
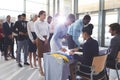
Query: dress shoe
(6,59)
(13,57)
(20,65)
(26,63)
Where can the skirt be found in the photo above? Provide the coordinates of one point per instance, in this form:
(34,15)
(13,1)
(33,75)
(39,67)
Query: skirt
(42,47)
(32,47)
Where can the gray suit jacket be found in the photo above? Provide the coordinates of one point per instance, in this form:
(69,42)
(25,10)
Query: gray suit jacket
(114,47)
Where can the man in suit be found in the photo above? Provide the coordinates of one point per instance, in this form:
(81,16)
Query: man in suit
(8,38)
(15,33)
(114,29)
(22,39)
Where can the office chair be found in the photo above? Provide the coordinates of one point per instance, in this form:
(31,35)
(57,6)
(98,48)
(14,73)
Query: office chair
(98,71)
(115,64)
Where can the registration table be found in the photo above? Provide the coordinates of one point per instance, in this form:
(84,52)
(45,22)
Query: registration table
(55,68)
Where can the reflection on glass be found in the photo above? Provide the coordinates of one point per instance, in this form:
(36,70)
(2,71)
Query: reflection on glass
(111,17)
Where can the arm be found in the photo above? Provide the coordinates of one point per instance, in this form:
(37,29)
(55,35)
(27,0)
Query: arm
(56,36)
(77,29)
(29,32)
(4,29)
(48,34)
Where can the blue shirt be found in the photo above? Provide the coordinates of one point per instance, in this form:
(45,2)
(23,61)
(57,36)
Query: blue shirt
(75,29)
(60,33)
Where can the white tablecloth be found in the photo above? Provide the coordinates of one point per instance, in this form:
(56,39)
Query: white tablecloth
(55,69)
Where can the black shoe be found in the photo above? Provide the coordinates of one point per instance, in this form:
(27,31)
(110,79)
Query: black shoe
(20,65)
(13,57)
(26,63)
(6,59)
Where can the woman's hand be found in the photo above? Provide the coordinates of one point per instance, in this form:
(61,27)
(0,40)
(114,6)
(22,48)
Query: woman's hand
(73,50)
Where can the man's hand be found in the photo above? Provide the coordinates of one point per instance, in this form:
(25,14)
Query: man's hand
(73,50)
(21,33)
(10,36)
(2,34)
(63,49)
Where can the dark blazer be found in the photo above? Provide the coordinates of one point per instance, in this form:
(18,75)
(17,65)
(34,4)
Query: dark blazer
(7,30)
(90,50)
(113,51)
(20,26)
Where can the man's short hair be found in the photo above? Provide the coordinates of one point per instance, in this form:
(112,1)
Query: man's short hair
(115,27)
(71,17)
(24,15)
(87,17)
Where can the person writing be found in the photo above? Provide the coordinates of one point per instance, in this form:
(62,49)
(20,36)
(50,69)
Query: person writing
(90,49)
(60,33)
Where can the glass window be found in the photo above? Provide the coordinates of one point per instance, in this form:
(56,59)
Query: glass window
(12,5)
(12,8)
(94,21)
(65,9)
(109,4)
(33,7)
(51,7)
(38,1)
(111,17)
(13,14)
(88,5)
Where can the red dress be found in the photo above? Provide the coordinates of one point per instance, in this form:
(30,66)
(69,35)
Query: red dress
(1,33)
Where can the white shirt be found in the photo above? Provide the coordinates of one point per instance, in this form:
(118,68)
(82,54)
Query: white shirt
(9,23)
(41,29)
(30,28)
(53,24)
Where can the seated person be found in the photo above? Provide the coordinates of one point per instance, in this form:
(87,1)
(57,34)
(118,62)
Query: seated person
(90,48)
(114,29)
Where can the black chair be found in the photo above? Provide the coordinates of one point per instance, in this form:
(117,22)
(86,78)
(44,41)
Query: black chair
(97,72)
(114,64)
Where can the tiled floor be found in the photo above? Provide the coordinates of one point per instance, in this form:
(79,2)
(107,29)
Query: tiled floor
(9,70)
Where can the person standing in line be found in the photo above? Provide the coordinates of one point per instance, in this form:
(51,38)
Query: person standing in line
(32,39)
(22,40)
(1,39)
(60,33)
(15,32)
(53,23)
(42,31)
(49,19)
(8,38)
(75,30)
